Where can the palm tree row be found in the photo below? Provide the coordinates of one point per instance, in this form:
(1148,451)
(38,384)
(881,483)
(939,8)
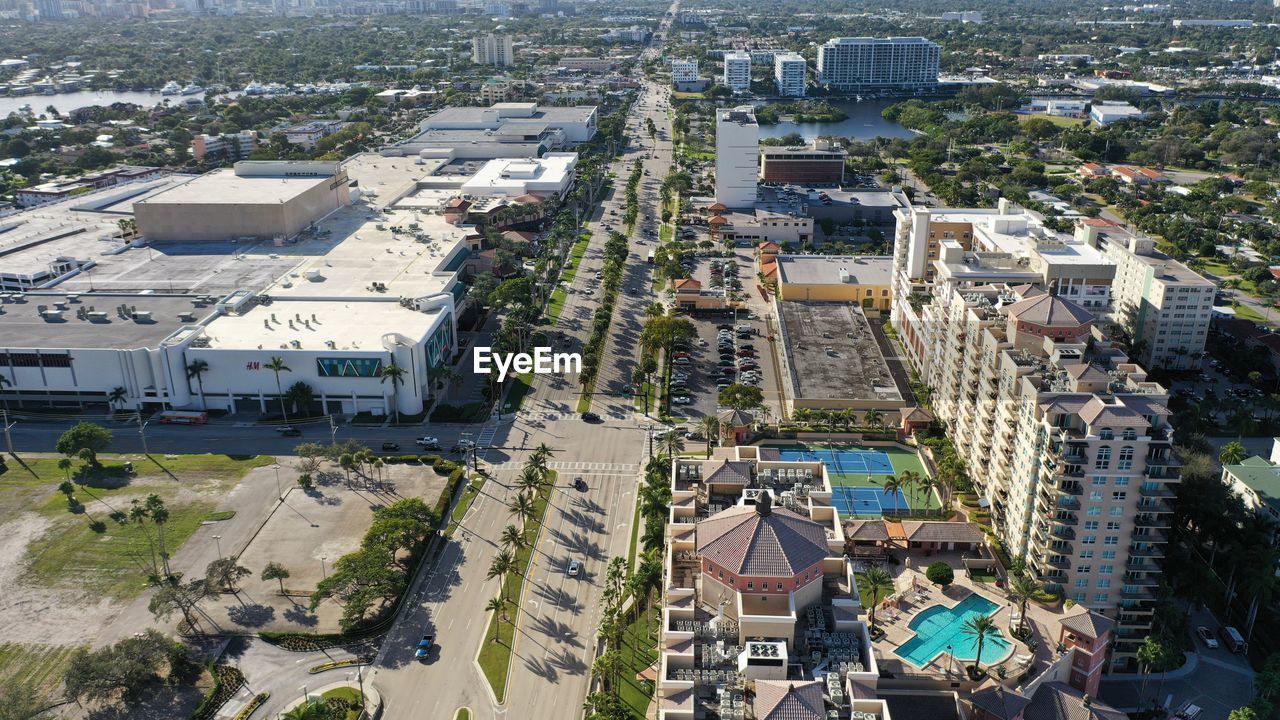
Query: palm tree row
(533,480)
(835,420)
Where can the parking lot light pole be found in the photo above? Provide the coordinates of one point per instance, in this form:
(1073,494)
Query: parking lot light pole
(323,574)
(217,539)
(279,493)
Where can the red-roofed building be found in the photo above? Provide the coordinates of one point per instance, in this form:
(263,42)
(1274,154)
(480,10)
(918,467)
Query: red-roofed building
(1089,171)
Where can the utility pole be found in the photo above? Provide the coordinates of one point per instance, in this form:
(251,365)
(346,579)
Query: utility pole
(333,431)
(142,433)
(8,439)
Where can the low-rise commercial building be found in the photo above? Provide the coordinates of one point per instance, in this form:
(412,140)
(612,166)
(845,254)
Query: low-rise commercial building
(819,164)
(862,280)
(684,70)
(1106,113)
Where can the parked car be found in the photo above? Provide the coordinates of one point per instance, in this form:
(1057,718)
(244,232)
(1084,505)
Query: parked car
(289,431)
(1206,637)
(682,400)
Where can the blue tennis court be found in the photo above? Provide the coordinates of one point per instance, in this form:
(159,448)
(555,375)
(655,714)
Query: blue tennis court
(870,501)
(844,462)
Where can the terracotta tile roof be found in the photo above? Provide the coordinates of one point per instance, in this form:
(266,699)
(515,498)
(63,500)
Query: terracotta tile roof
(783,700)
(529,199)
(917,414)
(780,543)
(1050,311)
(1088,623)
(717,207)
(939,531)
(686,284)
(736,418)
(867,530)
(999,702)
(1097,411)
(1057,701)
(730,471)
(1086,371)
(717,220)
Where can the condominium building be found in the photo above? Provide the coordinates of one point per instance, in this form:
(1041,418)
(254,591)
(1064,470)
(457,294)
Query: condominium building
(684,70)
(232,146)
(789,74)
(737,71)
(737,156)
(1162,305)
(493,49)
(865,63)
(1068,442)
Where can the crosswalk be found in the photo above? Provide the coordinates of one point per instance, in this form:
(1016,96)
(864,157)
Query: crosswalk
(485,438)
(585,467)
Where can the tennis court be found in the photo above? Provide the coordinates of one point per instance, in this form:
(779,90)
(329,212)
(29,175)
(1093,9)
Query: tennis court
(858,475)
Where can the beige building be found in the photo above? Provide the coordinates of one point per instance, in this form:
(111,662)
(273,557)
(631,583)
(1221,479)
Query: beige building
(257,200)
(493,49)
(860,279)
(1068,443)
(1164,305)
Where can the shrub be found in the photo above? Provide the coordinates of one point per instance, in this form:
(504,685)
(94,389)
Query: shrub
(940,573)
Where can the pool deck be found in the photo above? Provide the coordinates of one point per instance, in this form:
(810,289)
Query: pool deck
(898,631)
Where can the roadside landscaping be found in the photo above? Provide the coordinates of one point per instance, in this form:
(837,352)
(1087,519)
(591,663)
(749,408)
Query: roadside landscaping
(615,256)
(495,654)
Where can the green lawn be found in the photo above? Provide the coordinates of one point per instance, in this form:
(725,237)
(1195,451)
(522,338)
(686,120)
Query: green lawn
(495,657)
(113,563)
(515,396)
(639,651)
(463,714)
(1244,312)
(1065,122)
(666,232)
(469,494)
(584,400)
(41,665)
(555,306)
(1222,270)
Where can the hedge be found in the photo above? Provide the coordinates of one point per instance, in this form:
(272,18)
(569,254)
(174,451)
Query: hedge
(227,679)
(253,705)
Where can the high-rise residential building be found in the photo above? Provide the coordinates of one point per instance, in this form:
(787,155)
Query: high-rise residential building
(737,156)
(492,49)
(789,70)
(1068,443)
(235,146)
(864,63)
(1162,305)
(684,70)
(737,71)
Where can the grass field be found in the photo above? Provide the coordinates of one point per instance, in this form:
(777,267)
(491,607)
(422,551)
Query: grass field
(902,461)
(495,657)
(41,665)
(113,562)
(1244,312)
(515,397)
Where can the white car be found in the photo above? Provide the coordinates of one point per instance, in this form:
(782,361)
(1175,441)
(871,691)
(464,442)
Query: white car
(429,443)
(1206,637)
(682,400)
(575,568)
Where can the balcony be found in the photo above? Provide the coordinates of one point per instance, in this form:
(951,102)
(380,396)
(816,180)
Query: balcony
(1139,580)
(1060,563)
(1067,502)
(1136,593)
(1065,523)
(1148,520)
(1071,488)
(1145,552)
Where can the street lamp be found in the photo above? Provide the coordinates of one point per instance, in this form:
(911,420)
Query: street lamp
(279,493)
(323,575)
(217,539)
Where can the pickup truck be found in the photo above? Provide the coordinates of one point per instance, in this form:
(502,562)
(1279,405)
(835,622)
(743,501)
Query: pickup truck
(424,647)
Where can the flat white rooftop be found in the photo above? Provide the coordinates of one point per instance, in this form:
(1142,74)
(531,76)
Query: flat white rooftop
(224,187)
(354,325)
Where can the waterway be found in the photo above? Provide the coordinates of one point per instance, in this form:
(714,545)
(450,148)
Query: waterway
(66,102)
(864,123)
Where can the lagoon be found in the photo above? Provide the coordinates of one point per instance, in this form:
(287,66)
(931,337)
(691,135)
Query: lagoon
(864,123)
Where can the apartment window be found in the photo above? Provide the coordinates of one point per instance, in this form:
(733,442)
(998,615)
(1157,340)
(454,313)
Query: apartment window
(1084,569)
(751,585)
(1113,525)
(1107,434)
(1099,480)
(1078,597)
(1116,511)
(1102,460)
(1082,583)
(1086,554)
(1108,554)
(1094,511)
(1101,597)
(1130,434)
(1111,540)
(1122,481)
(1089,539)
(1091,525)
(1095,495)
(1125,462)
(1106,569)
(1103,584)
(1119,496)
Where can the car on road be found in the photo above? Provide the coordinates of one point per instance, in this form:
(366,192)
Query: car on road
(289,431)
(463,446)
(391,447)
(1206,637)
(579,484)
(424,647)
(428,443)
(591,417)
(575,569)
(682,400)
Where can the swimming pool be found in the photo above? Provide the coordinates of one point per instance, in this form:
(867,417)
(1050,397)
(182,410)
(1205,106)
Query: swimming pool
(939,626)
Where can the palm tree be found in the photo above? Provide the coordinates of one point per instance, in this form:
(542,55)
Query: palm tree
(277,366)
(877,582)
(979,627)
(196,369)
(396,374)
(521,506)
(1022,587)
(1233,453)
(503,562)
(908,480)
(117,395)
(529,480)
(64,464)
(873,418)
(672,443)
(513,538)
(498,606)
(539,458)
(893,485)
(710,426)
(313,709)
